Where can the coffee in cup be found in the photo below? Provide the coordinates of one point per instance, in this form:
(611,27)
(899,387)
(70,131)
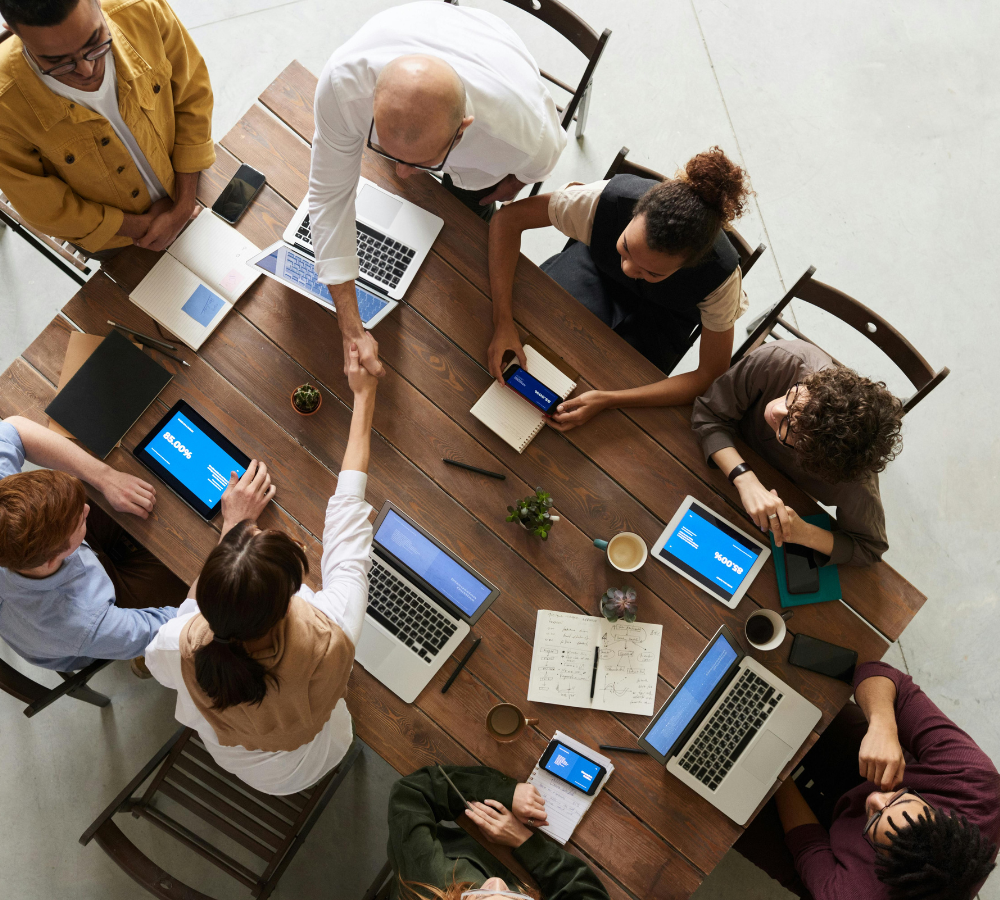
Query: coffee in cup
(505,722)
(765,629)
(626,551)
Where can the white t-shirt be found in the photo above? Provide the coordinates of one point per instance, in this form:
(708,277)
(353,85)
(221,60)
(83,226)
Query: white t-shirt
(104,102)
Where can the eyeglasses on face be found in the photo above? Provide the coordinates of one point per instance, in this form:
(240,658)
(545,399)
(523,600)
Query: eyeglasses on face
(869,831)
(91,55)
(785,425)
(481,894)
(438,168)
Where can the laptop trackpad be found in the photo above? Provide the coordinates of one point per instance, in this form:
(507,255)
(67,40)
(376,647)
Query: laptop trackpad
(377,207)
(374,647)
(769,754)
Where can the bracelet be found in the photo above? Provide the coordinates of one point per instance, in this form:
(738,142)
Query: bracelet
(737,471)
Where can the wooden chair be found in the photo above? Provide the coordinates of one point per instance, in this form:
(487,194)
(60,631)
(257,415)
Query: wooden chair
(863,320)
(586,40)
(77,265)
(38,696)
(381,887)
(272,828)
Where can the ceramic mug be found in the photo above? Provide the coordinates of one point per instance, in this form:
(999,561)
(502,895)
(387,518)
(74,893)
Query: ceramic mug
(766,622)
(626,551)
(505,722)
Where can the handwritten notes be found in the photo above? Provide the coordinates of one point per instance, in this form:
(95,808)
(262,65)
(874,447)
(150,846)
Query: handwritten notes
(562,664)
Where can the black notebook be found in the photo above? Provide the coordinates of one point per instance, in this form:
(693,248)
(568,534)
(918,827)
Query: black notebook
(108,394)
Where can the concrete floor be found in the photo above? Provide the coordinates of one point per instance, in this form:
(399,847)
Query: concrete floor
(867,131)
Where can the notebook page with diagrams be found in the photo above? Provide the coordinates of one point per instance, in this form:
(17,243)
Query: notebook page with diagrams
(562,662)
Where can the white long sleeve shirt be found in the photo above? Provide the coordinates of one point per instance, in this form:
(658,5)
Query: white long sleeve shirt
(516,129)
(347,540)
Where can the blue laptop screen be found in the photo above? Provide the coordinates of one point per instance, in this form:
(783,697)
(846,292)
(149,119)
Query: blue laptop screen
(685,702)
(431,563)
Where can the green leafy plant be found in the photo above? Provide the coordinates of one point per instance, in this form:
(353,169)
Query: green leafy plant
(619,603)
(533,513)
(306,398)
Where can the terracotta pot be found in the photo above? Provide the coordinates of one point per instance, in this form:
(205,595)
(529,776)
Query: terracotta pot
(299,411)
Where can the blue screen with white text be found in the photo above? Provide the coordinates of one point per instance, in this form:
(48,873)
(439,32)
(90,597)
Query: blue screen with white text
(571,767)
(532,389)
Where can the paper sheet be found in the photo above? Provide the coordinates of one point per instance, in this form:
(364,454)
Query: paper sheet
(562,663)
(217,254)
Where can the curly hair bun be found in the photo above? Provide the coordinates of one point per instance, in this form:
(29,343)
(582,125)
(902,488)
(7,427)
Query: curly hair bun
(719,182)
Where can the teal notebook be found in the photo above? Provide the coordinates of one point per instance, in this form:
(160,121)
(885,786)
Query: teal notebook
(829,580)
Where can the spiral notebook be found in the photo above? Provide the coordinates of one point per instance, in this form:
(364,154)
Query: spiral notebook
(511,416)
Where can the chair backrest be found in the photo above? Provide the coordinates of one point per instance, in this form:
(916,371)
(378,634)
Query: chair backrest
(74,263)
(863,320)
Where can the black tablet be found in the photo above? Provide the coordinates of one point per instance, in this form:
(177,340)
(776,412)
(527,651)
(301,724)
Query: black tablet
(192,458)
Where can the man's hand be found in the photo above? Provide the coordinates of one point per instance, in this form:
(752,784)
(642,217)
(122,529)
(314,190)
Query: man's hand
(498,823)
(128,494)
(505,337)
(367,348)
(763,506)
(881,757)
(504,191)
(359,379)
(165,227)
(246,498)
(529,806)
(577,410)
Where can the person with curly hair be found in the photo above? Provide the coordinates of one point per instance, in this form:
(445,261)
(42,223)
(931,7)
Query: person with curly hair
(829,429)
(650,259)
(895,801)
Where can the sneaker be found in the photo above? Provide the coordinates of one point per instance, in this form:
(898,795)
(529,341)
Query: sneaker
(138,667)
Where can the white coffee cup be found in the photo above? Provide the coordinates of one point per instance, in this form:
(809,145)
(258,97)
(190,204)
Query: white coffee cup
(777,623)
(626,551)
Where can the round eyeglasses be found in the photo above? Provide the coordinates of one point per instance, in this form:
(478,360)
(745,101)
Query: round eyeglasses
(873,821)
(785,425)
(92,55)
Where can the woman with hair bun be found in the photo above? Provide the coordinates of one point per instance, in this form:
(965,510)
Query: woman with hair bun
(650,260)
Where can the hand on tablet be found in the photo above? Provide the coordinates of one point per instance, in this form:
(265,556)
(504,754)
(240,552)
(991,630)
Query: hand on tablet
(246,498)
(128,494)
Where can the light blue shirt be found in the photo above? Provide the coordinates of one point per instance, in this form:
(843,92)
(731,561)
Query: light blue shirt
(69,619)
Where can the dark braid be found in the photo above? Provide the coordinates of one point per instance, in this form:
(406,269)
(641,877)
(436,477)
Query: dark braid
(939,857)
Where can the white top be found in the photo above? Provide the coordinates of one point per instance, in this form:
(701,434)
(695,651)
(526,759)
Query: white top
(516,129)
(347,540)
(104,102)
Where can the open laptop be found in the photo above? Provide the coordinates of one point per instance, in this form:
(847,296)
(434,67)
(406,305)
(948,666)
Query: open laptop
(729,728)
(422,600)
(394,237)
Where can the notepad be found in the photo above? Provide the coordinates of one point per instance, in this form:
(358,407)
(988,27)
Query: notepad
(829,579)
(511,416)
(562,662)
(197,281)
(565,806)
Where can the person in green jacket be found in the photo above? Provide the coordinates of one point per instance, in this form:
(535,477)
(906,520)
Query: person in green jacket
(441,862)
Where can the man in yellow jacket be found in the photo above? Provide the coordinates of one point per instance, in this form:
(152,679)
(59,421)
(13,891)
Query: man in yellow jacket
(105,120)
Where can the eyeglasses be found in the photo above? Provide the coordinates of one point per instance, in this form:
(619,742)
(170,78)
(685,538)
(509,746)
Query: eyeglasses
(895,798)
(90,56)
(481,894)
(438,168)
(785,425)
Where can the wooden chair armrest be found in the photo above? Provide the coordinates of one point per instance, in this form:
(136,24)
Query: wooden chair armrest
(70,684)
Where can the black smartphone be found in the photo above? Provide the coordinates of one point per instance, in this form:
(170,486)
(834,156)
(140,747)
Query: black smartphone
(531,389)
(238,194)
(819,656)
(569,766)
(801,570)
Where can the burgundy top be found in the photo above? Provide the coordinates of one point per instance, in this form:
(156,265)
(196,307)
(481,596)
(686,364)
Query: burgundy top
(943,765)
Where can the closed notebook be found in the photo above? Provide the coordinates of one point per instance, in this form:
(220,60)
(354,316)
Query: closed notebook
(829,579)
(511,416)
(198,280)
(108,394)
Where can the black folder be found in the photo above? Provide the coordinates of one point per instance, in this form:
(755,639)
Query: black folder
(108,394)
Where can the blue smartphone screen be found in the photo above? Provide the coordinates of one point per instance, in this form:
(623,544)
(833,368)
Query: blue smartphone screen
(532,389)
(572,768)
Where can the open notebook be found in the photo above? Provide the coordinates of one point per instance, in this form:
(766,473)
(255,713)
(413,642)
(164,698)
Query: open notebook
(197,281)
(511,416)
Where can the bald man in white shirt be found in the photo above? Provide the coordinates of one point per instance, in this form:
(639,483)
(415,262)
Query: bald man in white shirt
(433,87)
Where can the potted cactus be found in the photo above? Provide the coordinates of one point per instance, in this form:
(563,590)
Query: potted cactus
(533,513)
(619,603)
(306,399)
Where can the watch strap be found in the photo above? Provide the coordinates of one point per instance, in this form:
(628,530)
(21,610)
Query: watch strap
(737,471)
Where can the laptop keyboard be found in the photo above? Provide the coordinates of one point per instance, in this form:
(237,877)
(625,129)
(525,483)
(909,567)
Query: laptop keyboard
(404,613)
(732,726)
(381,258)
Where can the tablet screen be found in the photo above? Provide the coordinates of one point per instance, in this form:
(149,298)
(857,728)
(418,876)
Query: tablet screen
(710,551)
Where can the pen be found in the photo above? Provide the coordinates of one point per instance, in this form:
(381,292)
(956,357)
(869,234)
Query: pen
(593,678)
(455,789)
(139,334)
(462,465)
(461,666)
(183,362)
(622,749)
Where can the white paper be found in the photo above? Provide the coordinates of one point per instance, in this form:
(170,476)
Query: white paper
(565,806)
(214,251)
(562,662)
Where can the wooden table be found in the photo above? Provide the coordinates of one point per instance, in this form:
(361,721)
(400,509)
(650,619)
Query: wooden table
(648,835)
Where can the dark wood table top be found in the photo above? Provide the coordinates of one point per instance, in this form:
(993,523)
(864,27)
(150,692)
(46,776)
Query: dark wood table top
(647,834)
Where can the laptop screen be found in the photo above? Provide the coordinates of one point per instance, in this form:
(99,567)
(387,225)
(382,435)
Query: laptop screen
(678,712)
(431,563)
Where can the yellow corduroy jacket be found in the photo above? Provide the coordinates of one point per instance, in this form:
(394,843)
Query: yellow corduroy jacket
(64,168)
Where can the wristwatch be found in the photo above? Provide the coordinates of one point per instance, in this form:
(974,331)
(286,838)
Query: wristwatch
(737,471)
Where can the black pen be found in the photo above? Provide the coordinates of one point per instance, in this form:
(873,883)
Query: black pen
(461,665)
(462,465)
(622,749)
(593,678)
(139,334)
(183,362)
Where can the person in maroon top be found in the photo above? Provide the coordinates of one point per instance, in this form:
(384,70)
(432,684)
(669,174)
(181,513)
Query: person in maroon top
(893,801)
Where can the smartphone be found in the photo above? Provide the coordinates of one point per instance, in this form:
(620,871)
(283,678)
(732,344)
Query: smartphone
(238,194)
(819,656)
(801,569)
(569,766)
(531,389)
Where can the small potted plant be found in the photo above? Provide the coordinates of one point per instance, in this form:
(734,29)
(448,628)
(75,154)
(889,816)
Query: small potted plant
(619,603)
(532,513)
(306,399)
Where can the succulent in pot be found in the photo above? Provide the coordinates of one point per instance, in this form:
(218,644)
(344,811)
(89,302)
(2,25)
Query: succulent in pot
(619,603)
(533,513)
(306,399)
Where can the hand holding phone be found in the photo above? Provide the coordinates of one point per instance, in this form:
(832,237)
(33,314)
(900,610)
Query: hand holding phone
(531,389)
(573,768)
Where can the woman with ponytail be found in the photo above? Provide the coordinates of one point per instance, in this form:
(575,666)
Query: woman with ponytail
(650,260)
(260,662)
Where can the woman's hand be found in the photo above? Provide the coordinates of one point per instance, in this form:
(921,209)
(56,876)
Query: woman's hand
(359,379)
(505,337)
(246,498)
(529,806)
(763,506)
(881,757)
(498,823)
(577,410)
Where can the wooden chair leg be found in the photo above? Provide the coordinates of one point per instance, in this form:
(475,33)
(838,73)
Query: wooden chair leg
(74,685)
(373,889)
(583,110)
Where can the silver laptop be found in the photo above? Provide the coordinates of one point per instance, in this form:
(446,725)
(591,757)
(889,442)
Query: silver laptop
(422,600)
(394,237)
(729,728)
